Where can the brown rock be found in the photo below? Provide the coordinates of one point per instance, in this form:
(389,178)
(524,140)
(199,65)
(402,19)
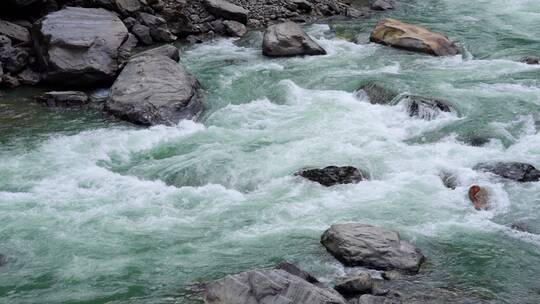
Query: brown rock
(479,197)
(411,37)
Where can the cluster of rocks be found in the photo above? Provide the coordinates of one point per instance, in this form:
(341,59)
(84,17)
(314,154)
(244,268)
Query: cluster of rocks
(353,244)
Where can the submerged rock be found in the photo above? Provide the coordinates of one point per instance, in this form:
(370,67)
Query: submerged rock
(358,285)
(521,227)
(516,171)
(333,175)
(479,196)
(358,244)
(289,39)
(425,107)
(63,98)
(294,270)
(411,37)
(154,89)
(382,5)
(377,94)
(227,10)
(273,286)
(3,260)
(80,45)
(449,180)
(530,60)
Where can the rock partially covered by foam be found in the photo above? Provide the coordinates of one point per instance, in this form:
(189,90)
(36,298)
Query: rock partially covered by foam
(520,172)
(427,108)
(333,175)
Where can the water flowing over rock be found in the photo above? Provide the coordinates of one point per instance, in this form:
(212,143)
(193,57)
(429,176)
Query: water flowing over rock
(520,172)
(333,175)
(289,39)
(411,37)
(530,60)
(377,94)
(358,285)
(358,244)
(63,98)
(80,45)
(371,299)
(273,286)
(425,107)
(227,10)
(154,89)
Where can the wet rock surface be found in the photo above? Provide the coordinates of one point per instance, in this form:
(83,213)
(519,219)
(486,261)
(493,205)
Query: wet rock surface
(63,98)
(154,89)
(427,108)
(520,172)
(479,196)
(273,286)
(289,39)
(531,60)
(333,175)
(356,244)
(411,37)
(377,94)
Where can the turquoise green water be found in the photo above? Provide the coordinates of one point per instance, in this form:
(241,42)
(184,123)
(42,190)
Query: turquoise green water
(98,211)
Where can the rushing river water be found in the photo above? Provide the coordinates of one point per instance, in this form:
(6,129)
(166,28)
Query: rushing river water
(97,211)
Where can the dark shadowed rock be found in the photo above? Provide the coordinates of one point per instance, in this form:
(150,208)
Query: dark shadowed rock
(358,285)
(13,59)
(302,5)
(166,50)
(63,98)
(377,94)
(425,107)
(23,3)
(411,37)
(371,299)
(357,244)
(479,196)
(159,29)
(29,77)
(530,60)
(382,5)
(294,270)
(234,28)
(80,45)
(226,10)
(516,171)
(274,286)
(333,175)
(3,260)
(142,32)
(154,89)
(14,31)
(289,39)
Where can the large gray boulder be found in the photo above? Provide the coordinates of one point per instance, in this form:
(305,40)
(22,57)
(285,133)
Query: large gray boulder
(226,10)
(516,171)
(80,45)
(273,286)
(289,39)
(357,244)
(154,89)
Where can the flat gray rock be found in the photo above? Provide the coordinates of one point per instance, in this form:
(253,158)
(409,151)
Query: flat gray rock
(80,45)
(273,286)
(154,89)
(14,31)
(227,10)
(289,39)
(357,244)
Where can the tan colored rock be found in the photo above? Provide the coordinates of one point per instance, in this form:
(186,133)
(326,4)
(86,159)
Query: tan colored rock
(412,37)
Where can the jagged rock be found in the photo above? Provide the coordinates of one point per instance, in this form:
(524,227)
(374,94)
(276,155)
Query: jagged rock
(479,196)
(80,45)
(516,171)
(358,244)
(13,59)
(424,107)
(63,98)
(411,37)
(154,89)
(530,60)
(382,5)
(234,28)
(273,286)
(288,39)
(226,10)
(294,270)
(14,31)
(142,32)
(166,50)
(358,285)
(158,27)
(29,77)
(333,175)
(377,94)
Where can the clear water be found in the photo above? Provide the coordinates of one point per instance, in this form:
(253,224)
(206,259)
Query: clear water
(97,211)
